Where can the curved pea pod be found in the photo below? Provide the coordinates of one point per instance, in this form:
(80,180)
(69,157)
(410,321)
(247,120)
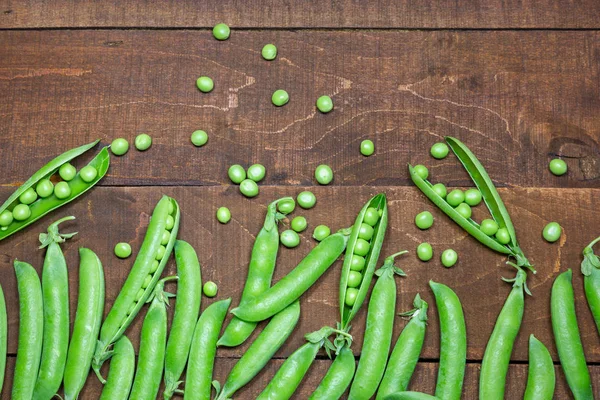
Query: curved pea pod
(378,202)
(261,350)
(31,329)
(122,368)
(43,206)
(338,377)
(541,379)
(138,288)
(567,338)
(187,308)
(590,268)
(294,284)
(260,273)
(405,355)
(202,353)
(3,337)
(494,366)
(410,396)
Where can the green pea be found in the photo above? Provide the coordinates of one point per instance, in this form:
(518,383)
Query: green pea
(439,150)
(280,97)
(489,227)
(502,236)
(166,235)
(324,174)
(199,138)
(147,281)
(62,190)
(143,141)
(424,252)
(249,188)
(67,172)
(299,223)
(551,232)
(357,263)
(286,206)
(160,252)
(205,84)
(325,104)
(367,147)
(6,218)
(88,173)
(21,212)
(45,188)
(119,146)
(365,231)
(321,232)
(223,215)
(361,247)
(465,210)
(440,190)
(424,220)
(154,266)
(354,279)
(256,172)
(122,250)
(449,258)
(351,294)
(421,171)
(306,199)
(455,197)
(473,197)
(236,173)
(169,222)
(28,196)
(371,216)
(269,52)
(289,238)
(221,31)
(558,167)
(210,289)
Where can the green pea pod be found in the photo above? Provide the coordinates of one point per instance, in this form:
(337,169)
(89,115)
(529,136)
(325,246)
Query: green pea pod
(31,329)
(260,273)
(43,206)
(3,337)
(378,332)
(122,368)
(127,304)
(294,284)
(379,202)
(496,359)
(590,268)
(187,308)
(261,350)
(453,343)
(90,307)
(567,338)
(338,377)
(405,355)
(541,378)
(204,348)
(410,396)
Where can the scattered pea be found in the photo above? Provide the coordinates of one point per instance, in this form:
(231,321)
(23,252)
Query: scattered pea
(249,188)
(169,222)
(221,31)
(473,197)
(421,171)
(455,197)
(205,84)
(269,52)
(199,138)
(280,97)
(289,238)
(367,147)
(286,206)
(324,174)
(489,227)
(223,215)
(365,231)
(45,188)
(440,190)
(62,190)
(321,232)
(236,173)
(325,104)
(21,212)
(6,218)
(558,167)
(119,146)
(28,196)
(67,172)
(256,172)
(361,247)
(449,258)
(371,216)
(439,150)
(465,210)
(351,294)
(502,236)
(210,289)
(357,263)
(552,232)
(306,199)
(122,250)
(424,251)
(299,223)
(424,220)
(88,173)
(143,141)
(354,279)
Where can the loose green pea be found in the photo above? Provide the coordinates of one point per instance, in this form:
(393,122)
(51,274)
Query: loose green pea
(88,173)
(236,173)
(199,138)
(62,190)
(45,188)
(143,141)
(210,289)
(67,172)
(21,212)
(223,215)
(6,218)
(299,224)
(166,235)
(371,216)
(449,258)
(421,171)
(306,199)
(256,172)
(365,231)
(122,250)
(325,104)
(205,84)
(465,210)
(160,252)
(455,197)
(357,263)
(324,174)
(367,147)
(440,190)
(424,220)
(502,236)
(269,52)
(321,232)
(552,232)
(286,206)
(280,97)
(249,188)
(351,294)
(473,197)
(354,279)
(169,222)
(439,150)
(558,167)
(489,227)
(221,31)
(119,146)
(28,196)
(361,247)
(424,252)
(289,238)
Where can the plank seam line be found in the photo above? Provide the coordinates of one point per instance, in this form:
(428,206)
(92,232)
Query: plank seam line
(300,28)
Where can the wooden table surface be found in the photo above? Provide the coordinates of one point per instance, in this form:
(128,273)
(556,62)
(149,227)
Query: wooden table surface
(520,84)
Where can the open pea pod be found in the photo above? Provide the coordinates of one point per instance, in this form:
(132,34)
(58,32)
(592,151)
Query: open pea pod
(379,203)
(43,206)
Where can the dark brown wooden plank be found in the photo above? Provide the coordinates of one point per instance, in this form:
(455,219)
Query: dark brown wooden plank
(516,106)
(331,14)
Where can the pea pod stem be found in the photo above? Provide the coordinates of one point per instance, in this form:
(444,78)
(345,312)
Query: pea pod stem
(590,268)
(541,379)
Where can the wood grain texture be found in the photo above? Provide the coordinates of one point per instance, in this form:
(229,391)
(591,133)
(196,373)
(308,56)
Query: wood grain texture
(298,14)
(517,106)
